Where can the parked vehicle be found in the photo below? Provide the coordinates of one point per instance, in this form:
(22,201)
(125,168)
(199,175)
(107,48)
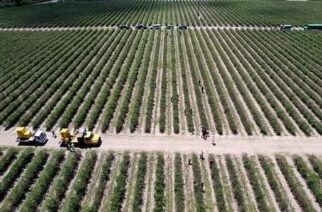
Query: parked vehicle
(25,136)
(286,27)
(124,27)
(183,27)
(313,27)
(141,26)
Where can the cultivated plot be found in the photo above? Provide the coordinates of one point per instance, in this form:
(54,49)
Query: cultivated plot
(113,181)
(199,13)
(245,82)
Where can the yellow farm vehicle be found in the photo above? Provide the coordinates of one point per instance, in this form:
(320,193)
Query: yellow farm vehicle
(25,136)
(80,138)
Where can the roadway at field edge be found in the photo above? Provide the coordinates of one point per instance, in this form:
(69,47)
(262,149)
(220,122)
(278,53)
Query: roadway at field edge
(18,29)
(224,144)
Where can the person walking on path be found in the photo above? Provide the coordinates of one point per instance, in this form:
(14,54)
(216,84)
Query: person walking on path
(54,135)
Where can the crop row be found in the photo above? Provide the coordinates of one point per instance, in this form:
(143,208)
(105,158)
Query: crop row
(238,185)
(104,177)
(140,183)
(204,13)
(52,180)
(74,199)
(152,87)
(217,184)
(312,179)
(14,172)
(217,78)
(294,184)
(7,159)
(47,175)
(159,184)
(256,182)
(275,184)
(120,188)
(179,184)
(60,186)
(198,184)
(18,193)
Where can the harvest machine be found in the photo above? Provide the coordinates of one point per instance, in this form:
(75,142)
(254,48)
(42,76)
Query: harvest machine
(25,136)
(81,138)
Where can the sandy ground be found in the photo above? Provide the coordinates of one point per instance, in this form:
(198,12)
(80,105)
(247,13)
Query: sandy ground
(224,144)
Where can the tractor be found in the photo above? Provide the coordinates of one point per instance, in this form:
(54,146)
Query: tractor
(80,138)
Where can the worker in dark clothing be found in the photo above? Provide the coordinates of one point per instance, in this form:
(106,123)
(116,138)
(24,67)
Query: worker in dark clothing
(213,141)
(54,135)
(189,162)
(201,156)
(204,133)
(202,89)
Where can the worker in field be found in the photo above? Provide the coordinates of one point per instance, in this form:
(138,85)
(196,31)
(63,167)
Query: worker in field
(53,133)
(201,156)
(213,141)
(204,133)
(72,148)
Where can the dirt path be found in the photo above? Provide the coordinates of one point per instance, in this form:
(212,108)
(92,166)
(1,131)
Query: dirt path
(45,29)
(224,144)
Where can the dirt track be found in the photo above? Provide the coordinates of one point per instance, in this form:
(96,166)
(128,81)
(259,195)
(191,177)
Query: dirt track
(133,28)
(224,144)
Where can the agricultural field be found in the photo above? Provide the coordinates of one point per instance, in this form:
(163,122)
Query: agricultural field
(239,82)
(51,180)
(149,93)
(116,12)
